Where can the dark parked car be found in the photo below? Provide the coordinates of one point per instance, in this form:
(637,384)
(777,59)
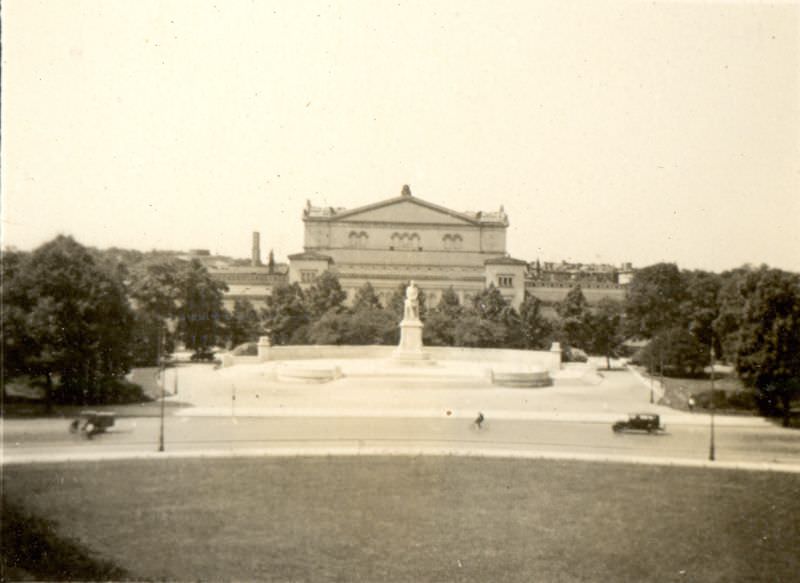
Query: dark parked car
(90,423)
(648,422)
(203,356)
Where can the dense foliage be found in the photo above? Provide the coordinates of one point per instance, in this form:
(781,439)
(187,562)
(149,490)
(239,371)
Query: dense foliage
(78,319)
(67,319)
(768,355)
(749,316)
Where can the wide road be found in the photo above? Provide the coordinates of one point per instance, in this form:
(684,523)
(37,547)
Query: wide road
(746,443)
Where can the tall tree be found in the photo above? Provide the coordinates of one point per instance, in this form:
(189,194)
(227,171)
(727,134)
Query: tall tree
(731,301)
(16,342)
(201,315)
(332,328)
(574,313)
(325,294)
(366,326)
(768,357)
(77,321)
(701,307)
(475,331)
(366,298)
(654,299)
(605,328)
(439,329)
(441,320)
(285,313)
(154,286)
(490,304)
(372,326)
(678,351)
(535,329)
(449,304)
(244,324)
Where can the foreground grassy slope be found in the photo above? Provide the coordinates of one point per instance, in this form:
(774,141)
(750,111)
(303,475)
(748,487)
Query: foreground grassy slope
(420,519)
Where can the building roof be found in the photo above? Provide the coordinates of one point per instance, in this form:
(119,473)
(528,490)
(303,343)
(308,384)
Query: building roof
(280,269)
(476,218)
(504,260)
(311,256)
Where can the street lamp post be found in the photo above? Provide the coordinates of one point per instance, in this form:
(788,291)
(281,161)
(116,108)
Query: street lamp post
(652,372)
(162,373)
(711,453)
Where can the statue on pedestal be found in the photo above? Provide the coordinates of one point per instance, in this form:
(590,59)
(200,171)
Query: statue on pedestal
(409,351)
(411,311)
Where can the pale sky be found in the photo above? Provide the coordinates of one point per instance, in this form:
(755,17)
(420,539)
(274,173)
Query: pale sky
(610,131)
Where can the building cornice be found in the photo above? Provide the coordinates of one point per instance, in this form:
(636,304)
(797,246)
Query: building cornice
(332,215)
(408,276)
(310,255)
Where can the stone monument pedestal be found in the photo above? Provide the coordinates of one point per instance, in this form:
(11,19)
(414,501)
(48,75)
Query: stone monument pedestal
(409,351)
(263,348)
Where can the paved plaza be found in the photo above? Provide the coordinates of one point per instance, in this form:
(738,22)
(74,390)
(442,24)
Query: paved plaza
(455,389)
(244,411)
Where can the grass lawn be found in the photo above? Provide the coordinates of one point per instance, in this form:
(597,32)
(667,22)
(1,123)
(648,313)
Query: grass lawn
(28,401)
(678,390)
(418,519)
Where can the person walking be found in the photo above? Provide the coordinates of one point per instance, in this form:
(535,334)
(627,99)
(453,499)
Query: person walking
(479,420)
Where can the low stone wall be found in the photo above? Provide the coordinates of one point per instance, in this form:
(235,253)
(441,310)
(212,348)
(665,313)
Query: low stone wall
(550,361)
(521,379)
(309,352)
(229,359)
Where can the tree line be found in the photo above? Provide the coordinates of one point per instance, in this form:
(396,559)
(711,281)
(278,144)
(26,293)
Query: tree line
(749,317)
(320,315)
(79,318)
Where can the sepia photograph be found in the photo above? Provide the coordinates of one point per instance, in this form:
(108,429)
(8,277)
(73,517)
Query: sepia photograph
(400,291)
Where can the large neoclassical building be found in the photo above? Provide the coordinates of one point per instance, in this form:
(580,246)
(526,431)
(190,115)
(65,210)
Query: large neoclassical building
(403,238)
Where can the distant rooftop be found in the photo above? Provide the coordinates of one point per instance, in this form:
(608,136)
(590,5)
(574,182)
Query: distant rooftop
(566,267)
(311,255)
(504,260)
(280,269)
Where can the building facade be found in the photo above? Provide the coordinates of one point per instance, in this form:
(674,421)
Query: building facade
(405,238)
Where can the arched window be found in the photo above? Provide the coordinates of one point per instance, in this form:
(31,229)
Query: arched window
(357,240)
(405,241)
(452,242)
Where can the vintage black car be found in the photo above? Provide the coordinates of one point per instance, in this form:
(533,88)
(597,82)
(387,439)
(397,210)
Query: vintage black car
(648,422)
(90,423)
(203,356)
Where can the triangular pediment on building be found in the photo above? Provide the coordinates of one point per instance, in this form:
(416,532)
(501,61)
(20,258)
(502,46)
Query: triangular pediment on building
(403,209)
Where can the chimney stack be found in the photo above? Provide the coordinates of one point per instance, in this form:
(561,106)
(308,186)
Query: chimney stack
(255,259)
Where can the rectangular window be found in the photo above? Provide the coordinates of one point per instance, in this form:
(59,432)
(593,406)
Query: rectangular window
(307,276)
(505,281)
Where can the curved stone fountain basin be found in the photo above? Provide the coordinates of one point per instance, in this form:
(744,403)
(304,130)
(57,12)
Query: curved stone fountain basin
(520,376)
(325,370)
(440,373)
(307,371)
